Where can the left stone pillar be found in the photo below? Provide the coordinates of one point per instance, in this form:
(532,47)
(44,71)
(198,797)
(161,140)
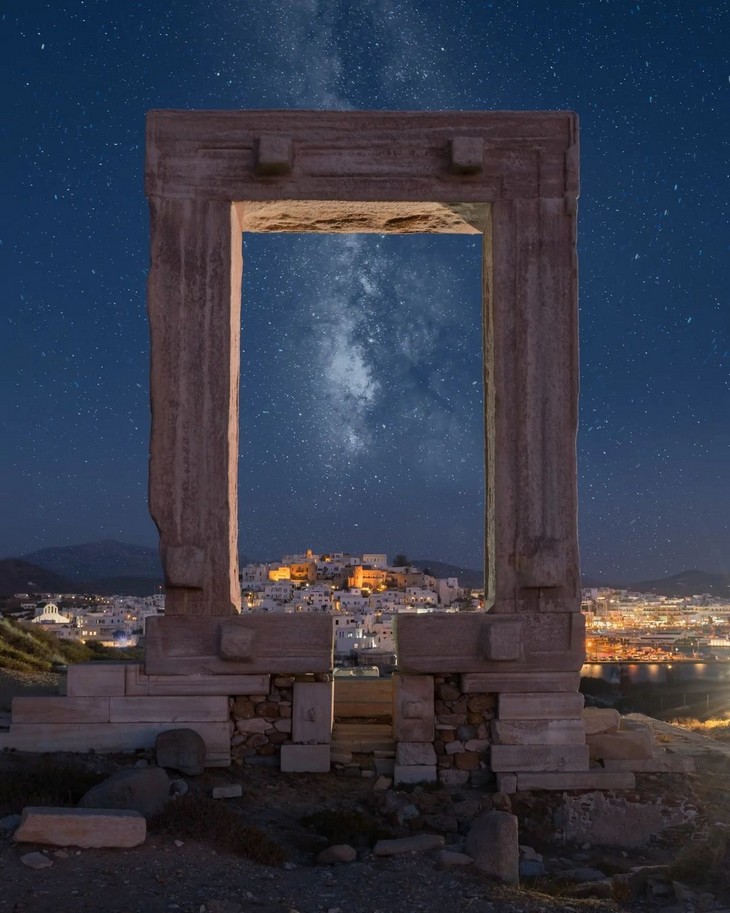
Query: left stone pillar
(194,305)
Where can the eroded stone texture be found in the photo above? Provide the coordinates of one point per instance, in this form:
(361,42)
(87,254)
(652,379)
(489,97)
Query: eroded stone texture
(84,827)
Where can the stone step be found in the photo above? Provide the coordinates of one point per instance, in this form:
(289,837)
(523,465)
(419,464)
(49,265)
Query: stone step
(363,737)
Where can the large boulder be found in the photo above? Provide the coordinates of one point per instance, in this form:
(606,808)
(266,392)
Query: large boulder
(493,844)
(181,749)
(144,790)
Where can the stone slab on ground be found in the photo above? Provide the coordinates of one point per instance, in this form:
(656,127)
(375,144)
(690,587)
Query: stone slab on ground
(83,827)
(230,791)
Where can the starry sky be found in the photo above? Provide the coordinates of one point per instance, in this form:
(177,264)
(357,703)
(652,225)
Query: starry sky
(361,423)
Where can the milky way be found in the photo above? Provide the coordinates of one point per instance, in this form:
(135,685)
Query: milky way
(361,386)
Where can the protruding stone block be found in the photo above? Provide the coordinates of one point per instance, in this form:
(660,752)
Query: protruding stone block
(305,759)
(274,154)
(415,773)
(413,708)
(237,641)
(313,712)
(539,706)
(467,154)
(84,827)
(538,758)
(184,566)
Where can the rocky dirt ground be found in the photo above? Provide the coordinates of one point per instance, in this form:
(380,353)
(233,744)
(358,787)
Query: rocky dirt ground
(172,872)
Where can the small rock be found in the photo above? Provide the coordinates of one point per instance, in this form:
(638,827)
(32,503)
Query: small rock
(178,788)
(403,845)
(231,791)
(531,868)
(179,843)
(141,764)
(340,852)
(36,861)
(383,783)
(289,866)
(61,854)
(501,802)
(9,823)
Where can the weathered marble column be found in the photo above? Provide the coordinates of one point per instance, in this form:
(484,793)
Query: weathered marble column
(531,368)
(194,302)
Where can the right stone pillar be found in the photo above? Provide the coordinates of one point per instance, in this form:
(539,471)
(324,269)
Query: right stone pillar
(531,403)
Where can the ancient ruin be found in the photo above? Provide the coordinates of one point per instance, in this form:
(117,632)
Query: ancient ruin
(475,695)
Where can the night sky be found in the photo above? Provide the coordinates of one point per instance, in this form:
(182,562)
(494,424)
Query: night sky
(361,384)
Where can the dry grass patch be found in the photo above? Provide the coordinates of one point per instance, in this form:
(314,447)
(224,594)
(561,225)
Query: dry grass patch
(45,782)
(198,817)
(715,728)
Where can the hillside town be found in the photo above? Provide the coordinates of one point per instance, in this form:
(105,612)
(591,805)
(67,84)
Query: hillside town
(364,594)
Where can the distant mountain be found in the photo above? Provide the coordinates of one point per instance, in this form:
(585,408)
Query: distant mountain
(18,576)
(94,560)
(686,583)
(467,576)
